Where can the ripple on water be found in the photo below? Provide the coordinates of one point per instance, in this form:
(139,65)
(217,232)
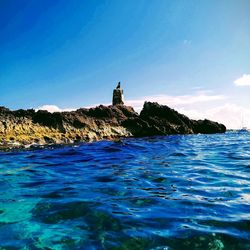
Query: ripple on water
(173,192)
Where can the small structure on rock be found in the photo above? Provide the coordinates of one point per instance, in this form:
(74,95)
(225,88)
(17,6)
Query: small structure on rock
(118,98)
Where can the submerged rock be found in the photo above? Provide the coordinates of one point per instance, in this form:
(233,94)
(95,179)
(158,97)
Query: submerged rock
(24,127)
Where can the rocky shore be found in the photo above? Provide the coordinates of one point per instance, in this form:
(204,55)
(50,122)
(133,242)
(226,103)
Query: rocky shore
(22,128)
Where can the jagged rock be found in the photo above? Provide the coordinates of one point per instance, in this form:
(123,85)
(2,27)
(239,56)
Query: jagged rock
(207,127)
(4,110)
(162,120)
(22,127)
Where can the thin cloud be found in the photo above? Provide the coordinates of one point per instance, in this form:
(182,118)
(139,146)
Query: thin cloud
(175,101)
(229,114)
(232,115)
(243,80)
(53,108)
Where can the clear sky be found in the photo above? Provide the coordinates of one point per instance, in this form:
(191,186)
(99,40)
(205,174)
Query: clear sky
(191,55)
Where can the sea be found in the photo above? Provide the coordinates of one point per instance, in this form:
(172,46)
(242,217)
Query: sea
(156,193)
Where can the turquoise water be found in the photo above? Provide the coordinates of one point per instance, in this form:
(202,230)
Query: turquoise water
(173,192)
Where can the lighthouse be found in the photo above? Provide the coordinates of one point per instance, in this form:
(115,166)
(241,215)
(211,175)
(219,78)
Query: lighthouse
(118,98)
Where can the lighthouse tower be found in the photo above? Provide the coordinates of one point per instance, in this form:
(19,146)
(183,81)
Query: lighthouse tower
(118,98)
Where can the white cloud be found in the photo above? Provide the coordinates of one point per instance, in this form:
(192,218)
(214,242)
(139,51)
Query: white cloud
(195,106)
(243,80)
(231,115)
(53,108)
(175,101)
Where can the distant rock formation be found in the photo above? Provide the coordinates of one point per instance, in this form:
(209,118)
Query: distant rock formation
(118,98)
(156,119)
(24,127)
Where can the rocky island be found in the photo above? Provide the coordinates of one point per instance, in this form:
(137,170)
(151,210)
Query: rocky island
(21,128)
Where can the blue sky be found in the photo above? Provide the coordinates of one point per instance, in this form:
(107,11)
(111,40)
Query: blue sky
(186,54)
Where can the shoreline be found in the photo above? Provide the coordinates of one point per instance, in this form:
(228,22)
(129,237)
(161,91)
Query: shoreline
(21,147)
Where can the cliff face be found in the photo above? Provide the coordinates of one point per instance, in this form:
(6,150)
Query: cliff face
(24,127)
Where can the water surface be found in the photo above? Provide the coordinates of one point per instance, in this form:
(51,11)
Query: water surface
(173,192)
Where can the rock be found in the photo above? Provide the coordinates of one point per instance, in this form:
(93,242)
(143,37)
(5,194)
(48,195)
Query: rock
(25,127)
(156,119)
(4,110)
(208,127)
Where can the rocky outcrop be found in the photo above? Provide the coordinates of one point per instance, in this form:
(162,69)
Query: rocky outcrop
(156,119)
(26,127)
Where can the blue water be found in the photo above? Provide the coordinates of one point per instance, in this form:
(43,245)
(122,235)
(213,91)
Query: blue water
(173,192)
